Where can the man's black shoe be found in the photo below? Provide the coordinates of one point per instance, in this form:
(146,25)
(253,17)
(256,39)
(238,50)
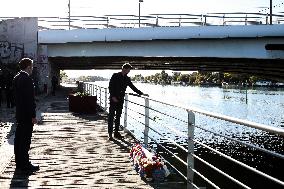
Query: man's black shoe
(33,167)
(28,168)
(117,135)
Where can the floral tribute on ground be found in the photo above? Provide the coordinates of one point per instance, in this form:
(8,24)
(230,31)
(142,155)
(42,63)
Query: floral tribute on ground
(148,165)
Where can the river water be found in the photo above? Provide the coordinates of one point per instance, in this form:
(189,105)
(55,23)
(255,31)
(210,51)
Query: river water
(263,105)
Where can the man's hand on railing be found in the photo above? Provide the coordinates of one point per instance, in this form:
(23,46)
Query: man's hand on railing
(145,95)
(134,94)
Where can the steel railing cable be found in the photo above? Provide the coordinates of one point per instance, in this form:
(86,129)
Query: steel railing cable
(160,112)
(228,157)
(264,150)
(244,143)
(137,112)
(183,162)
(270,129)
(241,164)
(136,120)
(221,172)
(267,128)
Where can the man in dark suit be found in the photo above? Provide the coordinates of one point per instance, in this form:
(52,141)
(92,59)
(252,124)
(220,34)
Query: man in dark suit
(9,90)
(54,83)
(2,85)
(25,115)
(117,87)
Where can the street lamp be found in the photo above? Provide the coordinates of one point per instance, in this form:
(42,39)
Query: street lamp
(140,1)
(270,12)
(69,12)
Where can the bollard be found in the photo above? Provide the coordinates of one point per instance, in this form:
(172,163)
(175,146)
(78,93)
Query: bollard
(190,159)
(146,130)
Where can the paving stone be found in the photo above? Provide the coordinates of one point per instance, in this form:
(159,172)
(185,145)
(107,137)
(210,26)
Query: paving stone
(73,151)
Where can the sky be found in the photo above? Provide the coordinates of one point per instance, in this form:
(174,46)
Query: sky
(59,8)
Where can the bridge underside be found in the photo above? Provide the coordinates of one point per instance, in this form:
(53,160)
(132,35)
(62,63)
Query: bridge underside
(270,68)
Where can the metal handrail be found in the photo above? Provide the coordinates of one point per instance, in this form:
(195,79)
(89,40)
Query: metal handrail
(225,156)
(271,129)
(191,125)
(153,20)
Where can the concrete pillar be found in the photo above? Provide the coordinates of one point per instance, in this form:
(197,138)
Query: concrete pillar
(43,68)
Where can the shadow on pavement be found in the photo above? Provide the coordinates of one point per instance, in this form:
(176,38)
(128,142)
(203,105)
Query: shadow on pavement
(20,180)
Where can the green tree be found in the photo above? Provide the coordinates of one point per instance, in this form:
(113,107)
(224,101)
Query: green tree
(63,76)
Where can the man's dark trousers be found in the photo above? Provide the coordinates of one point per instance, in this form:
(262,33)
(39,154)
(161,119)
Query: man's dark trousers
(22,143)
(115,109)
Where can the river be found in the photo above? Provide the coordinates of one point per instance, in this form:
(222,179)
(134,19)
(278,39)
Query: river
(264,105)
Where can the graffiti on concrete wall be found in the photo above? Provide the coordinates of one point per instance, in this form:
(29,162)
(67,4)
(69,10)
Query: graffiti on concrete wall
(10,52)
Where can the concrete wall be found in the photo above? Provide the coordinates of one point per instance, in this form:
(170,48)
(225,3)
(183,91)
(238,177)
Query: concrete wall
(18,39)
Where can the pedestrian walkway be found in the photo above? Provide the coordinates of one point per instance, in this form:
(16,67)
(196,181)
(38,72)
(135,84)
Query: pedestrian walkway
(73,151)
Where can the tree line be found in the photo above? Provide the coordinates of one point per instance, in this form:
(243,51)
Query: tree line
(200,78)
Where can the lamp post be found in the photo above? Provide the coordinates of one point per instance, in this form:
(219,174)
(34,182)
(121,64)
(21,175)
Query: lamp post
(69,12)
(270,12)
(140,1)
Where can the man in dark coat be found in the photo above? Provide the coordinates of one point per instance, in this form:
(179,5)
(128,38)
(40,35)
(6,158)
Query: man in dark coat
(2,85)
(117,87)
(54,82)
(9,90)
(25,115)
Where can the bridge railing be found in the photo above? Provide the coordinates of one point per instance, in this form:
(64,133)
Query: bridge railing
(192,147)
(155,20)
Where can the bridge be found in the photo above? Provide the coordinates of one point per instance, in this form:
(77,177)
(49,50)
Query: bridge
(254,49)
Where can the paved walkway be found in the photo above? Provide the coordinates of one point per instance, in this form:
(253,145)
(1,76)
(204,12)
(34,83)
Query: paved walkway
(73,151)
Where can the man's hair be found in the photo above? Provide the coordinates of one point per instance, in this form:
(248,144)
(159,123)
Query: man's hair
(25,62)
(126,66)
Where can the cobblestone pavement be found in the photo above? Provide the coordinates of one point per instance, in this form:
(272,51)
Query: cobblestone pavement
(73,151)
(6,123)
(7,119)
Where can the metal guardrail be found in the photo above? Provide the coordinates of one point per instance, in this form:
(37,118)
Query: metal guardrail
(155,20)
(142,111)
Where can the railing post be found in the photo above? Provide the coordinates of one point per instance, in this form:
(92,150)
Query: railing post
(190,159)
(105,99)
(93,93)
(85,86)
(97,91)
(146,130)
(125,111)
(100,97)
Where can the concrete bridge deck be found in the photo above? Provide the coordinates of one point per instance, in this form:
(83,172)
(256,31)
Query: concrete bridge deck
(73,151)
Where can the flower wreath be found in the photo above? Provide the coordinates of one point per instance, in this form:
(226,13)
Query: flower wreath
(148,165)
